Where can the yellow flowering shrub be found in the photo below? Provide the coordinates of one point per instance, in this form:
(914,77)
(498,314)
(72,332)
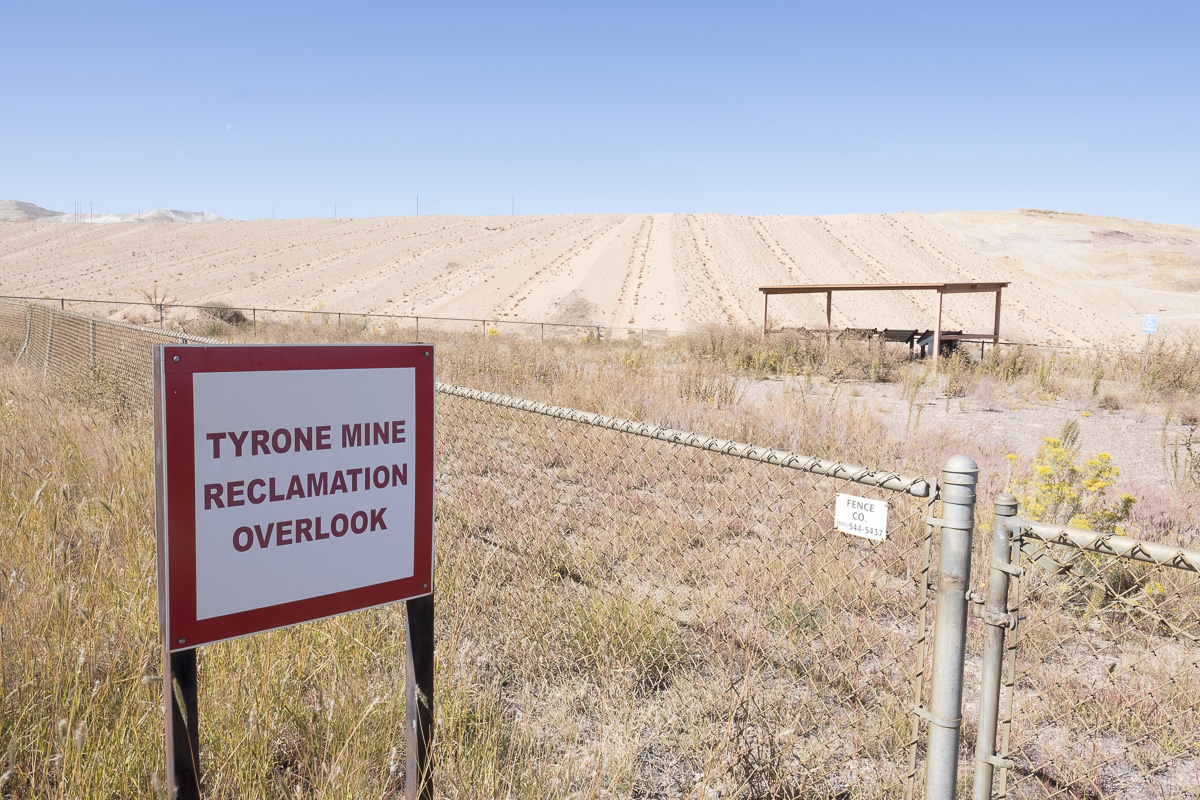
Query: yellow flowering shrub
(1058,490)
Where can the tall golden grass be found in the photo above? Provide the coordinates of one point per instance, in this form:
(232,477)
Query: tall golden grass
(612,620)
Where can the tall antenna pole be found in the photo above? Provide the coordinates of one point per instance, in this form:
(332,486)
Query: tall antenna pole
(514,205)
(418,205)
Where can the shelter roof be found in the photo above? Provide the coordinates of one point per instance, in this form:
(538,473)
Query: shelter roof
(943,288)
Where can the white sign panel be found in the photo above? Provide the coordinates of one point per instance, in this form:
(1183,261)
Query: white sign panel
(861,516)
(304,495)
(295,482)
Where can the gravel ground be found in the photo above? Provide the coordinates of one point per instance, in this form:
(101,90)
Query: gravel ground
(990,427)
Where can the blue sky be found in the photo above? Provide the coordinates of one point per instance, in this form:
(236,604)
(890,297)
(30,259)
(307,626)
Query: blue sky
(749,108)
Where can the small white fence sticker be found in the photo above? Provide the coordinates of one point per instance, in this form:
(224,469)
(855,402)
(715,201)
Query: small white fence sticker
(861,516)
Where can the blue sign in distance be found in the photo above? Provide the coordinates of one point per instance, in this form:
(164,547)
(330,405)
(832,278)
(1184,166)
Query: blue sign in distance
(1150,324)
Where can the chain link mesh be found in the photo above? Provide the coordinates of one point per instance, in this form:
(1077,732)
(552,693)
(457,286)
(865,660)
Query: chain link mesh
(697,612)
(649,603)
(87,356)
(1102,681)
(679,616)
(216,318)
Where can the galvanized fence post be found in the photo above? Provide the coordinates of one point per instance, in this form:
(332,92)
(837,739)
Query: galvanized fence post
(998,618)
(959,477)
(28,332)
(49,341)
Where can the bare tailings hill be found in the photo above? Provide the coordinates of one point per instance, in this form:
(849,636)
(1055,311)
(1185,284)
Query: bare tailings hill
(1075,279)
(1117,269)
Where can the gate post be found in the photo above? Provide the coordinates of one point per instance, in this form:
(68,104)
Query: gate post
(959,477)
(998,618)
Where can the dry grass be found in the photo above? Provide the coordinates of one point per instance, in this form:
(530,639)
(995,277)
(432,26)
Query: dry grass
(605,645)
(1165,374)
(1107,690)
(616,617)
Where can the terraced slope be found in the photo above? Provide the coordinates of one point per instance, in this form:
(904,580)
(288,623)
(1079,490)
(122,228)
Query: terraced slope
(1075,279)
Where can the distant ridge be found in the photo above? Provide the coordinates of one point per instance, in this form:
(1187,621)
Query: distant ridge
(17,211)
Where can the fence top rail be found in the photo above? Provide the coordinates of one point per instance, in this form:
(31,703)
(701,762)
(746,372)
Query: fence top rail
(178,336)
(917,487)
(380,315)
(323,312)
(1108,544)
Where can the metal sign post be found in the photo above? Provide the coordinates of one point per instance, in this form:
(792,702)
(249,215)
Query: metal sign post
(294,483)
(1149,327)
(183,729)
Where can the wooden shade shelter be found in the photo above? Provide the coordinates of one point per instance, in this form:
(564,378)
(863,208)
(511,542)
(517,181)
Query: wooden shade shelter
(942,289)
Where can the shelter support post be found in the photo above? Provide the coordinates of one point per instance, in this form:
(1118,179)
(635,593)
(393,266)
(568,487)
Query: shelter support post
(766,298)
(937,333)
(828,320)
(996,328)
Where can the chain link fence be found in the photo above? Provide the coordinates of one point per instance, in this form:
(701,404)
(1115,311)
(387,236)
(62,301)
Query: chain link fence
(218,318)
(678,614)
(86,356)
(1102,674)
(689,597)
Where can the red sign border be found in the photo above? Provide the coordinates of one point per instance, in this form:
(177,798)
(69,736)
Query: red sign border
(175,473)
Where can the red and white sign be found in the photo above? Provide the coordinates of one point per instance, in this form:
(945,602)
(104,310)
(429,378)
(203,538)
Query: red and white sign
(295,482)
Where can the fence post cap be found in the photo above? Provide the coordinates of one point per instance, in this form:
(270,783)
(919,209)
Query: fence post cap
(1006,503)
(961,464)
